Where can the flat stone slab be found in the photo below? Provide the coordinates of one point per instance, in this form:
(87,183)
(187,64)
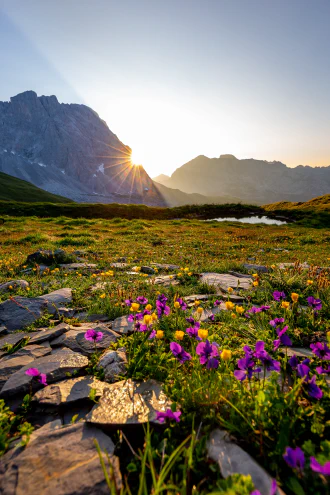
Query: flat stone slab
(75,339)
(165,280)
(78,266)
(207,313)
(114,364)
(119,265)
(48,334)
(57,297)
(12,338)
(15,284)
(129,403)
(15,363)
(55,366)
(300,352)
(69,391)
(166,267)
(122,326)
(60,461)
(284,266)
(256,268)
(233,459)
(225,280)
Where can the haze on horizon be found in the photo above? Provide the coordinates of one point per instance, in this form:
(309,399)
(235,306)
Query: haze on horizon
(178,79)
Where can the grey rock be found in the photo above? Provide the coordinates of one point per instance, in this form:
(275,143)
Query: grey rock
(48,257)
(300,352)
(55,366)
(40,269)
(207,313)
(45,429)
(129,403)
(56,298)
(78,266)
(166,267)
(67,392)
(12,339)
(3,330)
(242,275)
(233,459)
(49,334)
(122,326)
(119,265)
(114,364)
(252,258)
(61,461)
(75,340)
(10,366)
(225,280)
(165,280)
(33,350)
(256,268)
(147,269)
(302,266)
(15,284)
(20,312)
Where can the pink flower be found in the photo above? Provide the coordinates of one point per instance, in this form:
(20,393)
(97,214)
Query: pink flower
(93,335)
(35,373)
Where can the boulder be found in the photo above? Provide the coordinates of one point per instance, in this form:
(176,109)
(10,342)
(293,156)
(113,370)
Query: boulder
(56,298)
(55,366)
(119,265)
(11,365)
(75,340)
(78,266)
(122,326)
(113,363)
(48,334)
(129,403)
(67,392)
(165,280)
(225,280)
(61,461)
(147,269)
(49,257)
(256,268)
(166,267)
(15,284)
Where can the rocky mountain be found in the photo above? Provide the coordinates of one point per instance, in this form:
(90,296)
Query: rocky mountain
(160,179)
(67,149)
(254,181)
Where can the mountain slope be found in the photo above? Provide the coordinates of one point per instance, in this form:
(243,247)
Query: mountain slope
(161,179)
(67,149)
(13,189)
(321,203)
(251,180)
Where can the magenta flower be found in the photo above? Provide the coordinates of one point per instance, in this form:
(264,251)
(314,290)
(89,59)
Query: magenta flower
(162,308)
(35,373)
(93,336)
(276,322)
(128,302)
(318,468)
(279,296)
(208,354)
(295,458)
(283,338)
(322,371)
(321,350)
(263,356)
(179,352)
(217,303)
(183,305)
(246,368)
(310,384)
(142,300)
(315,304)
(169,414)
(273,489)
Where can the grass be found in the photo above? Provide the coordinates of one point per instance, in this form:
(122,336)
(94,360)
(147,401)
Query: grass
(265,415)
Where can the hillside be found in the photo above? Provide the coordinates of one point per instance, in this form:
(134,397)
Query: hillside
(13,189)
(321,203)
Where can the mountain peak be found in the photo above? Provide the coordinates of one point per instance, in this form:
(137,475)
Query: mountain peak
(227,157)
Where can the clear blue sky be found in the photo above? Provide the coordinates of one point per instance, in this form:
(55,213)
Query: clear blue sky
(178,78)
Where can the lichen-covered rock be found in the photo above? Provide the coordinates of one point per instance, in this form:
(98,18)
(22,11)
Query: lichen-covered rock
(225,280)
(114,364)
(76,341)
(48,334)
(49,257)
(13,284)
(122,326)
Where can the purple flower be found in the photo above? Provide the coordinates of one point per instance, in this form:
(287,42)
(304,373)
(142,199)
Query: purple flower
(152,335)
(276,322)
(318,468)
(217,303)
(278,296)
(273,489)
(313,390)
(183,305)
(320,350)
(246,368)
(128,302)
(295,458)
(283,338)
(142,300)
(303,370)
(322,371)
(293,362)
(162,308)
(265,358)
(169,414)
(264,308)
(191,320)
(179,352)
(193,332)
(211,317)
(208,352)
(35,373)
(93,335)
(315,304)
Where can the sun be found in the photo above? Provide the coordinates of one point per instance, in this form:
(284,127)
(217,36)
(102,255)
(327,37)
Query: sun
(136,158)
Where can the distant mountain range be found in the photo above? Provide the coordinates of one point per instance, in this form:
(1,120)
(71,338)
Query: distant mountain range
(253,181)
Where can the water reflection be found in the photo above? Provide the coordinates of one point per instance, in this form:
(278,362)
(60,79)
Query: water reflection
(253,219)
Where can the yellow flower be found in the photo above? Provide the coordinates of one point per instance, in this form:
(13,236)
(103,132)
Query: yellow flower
(233,315)
(256,283)
(255,275)
(147,319)
(159,334)
(65,274)
(10,287)
(177,305)
(240,310)
(171,276)
(229,305)
(186,269)
(273,266)
(180,274)
(148,307)
(226,354)
(285,304)
(28,288)
(199,310)
(230,290)
(197,302)
(294,297)
(179,334)
(102,296)
(310,282)
(202,333)
(189,274)
(154,317)
(94,275)
(135,307)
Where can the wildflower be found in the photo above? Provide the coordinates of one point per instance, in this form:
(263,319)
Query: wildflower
(293,362)
(246,368)
(321,350)
(179,352)
(203,333)
(226,354)
(278,296)
(283,338)
(273,489)
(190,320)
(265,358)
(169,414)
(285,305)
(179,303)
(230,290)
(134,307)
(93,335)
(294,297)
(159,334)
(193,331)
(322,371)
(179,335)
(35,373)
(295,458)
(197,302)
(189,274)
(199,310)
(102,296)
(254,275)
(217,303)
(255,283)
(208,354)
(147,319)
(318,468)
(315,304)
(276,321)
(240,310)
(142,300)
(128,302)
(310,282)
(154,317)
(148,307)
(310,384)
(162,308)
(229,305)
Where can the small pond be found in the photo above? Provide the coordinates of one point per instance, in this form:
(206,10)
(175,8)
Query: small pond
(253,219)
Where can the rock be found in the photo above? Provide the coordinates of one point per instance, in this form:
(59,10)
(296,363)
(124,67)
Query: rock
(256,268)
(129,403)
(11,339)
(40,269)
(114,364)
(78,266)
(213,311)
(32,350)
(3,330)
(166,267)
(300,352)
(119,265)
(49,257)
(15,284)
(147,269)
(242,275)
(45,429)
(67,392)
(60,461)
(225,280)
(57,297)
(252,258)
(165,280)
(303,266)
(19,312)
(55,366)
(122,326)
(49,334)
(233,459)
(10,366)
(75,340)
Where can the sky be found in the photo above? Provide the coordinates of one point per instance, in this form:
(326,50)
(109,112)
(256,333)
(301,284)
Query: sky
(175,79)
